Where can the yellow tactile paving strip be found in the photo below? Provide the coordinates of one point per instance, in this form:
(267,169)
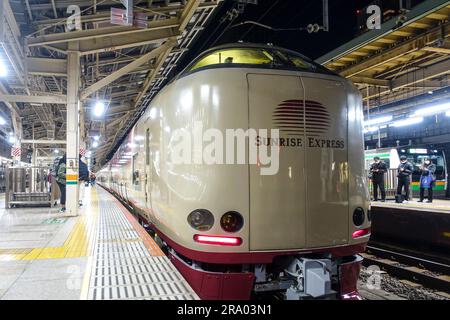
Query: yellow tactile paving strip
(79,243)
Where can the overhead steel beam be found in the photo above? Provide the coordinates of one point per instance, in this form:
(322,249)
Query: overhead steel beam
(47,67)
(91,34)
(44,141)
(187,13)
(409,46)
(167,48)
(63,4)
(424,74)
(371,81)
(105,62)
(121,94)
(91,46)
(115,121)
(57,99)
(125,70)
(442,50)
(106,15)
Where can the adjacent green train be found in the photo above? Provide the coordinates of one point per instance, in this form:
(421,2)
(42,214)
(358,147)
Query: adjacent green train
(415,155)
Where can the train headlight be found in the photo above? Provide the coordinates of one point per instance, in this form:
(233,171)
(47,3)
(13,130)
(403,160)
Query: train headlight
(358,216)
(201,219)
(232,221)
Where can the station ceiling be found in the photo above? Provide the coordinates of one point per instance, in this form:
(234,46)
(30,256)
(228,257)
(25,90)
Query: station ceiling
(37,39)
(399,62)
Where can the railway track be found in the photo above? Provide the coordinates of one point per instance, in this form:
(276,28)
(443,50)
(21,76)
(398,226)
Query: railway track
(428,273)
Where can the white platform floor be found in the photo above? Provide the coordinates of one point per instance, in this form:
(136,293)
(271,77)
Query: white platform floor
(101,254)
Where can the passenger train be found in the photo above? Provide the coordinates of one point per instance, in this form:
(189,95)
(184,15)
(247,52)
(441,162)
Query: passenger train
(232,229)
(415,155)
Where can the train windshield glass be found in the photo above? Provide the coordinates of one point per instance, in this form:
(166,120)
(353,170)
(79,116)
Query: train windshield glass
(238,56)
(260,57)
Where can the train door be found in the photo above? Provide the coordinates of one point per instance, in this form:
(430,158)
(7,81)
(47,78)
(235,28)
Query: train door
(326,162)
(277,202)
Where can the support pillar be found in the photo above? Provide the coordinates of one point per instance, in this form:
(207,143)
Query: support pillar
(72,149)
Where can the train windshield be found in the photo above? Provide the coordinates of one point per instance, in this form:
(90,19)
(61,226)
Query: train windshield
(260,57)
(237,56)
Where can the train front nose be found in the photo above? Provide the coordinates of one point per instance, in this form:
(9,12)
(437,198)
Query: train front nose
(306,203)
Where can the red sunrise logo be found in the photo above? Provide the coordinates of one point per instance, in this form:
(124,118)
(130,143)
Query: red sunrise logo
(301,117)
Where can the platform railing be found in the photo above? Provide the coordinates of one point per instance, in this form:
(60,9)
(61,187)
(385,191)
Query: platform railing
(30,186)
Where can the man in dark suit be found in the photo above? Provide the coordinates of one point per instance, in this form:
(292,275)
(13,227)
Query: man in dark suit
(404,172)
(377,169)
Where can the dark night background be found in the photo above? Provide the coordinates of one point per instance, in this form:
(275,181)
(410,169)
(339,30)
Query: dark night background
(283,14)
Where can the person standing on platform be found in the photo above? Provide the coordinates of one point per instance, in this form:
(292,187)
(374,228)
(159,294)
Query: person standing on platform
(377,171)
(404,173)
(83,178)
(92,178)
(61,181)
(427,179)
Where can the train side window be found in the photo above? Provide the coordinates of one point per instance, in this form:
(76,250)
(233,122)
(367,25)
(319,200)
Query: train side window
(135,171)
(252,56)
(147,147)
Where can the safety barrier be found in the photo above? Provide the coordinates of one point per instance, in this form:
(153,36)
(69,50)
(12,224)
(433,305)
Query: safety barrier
(30,186)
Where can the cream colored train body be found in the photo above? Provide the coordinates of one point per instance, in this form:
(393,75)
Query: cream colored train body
(299,230)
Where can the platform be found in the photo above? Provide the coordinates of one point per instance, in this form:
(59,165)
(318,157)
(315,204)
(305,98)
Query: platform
(438,205)
(101,254)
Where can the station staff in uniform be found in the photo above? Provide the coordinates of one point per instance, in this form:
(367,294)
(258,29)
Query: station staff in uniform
(404,173)
(427,179)
(377,171)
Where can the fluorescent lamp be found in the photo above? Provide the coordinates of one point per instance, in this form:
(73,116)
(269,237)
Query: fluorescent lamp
(3,69)
(2,121)
(428,111)
(56,151)
(407,122)
(418,151)
(11,139)
(99,109)
(447,113)
(96,138)
(378,120)
(95,144)
(139,138)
